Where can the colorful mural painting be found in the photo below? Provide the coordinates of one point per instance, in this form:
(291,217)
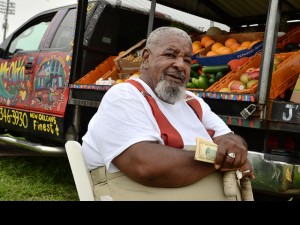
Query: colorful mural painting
(50,83)
(37,95)
(13,88)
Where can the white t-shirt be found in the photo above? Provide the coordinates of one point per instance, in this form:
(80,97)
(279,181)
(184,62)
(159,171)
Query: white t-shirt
(124,118)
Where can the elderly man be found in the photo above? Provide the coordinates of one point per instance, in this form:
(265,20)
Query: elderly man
(135,142)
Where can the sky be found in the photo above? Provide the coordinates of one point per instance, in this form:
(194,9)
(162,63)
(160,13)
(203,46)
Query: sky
(25,9)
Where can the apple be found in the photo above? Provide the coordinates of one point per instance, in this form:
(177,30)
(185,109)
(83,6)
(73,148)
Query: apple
(245,78)
(230,84)
(251,83)
(250,69)
(237,85)
(254,75)
(225,89)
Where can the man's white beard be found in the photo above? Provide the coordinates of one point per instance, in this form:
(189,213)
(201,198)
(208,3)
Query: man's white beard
(170,91)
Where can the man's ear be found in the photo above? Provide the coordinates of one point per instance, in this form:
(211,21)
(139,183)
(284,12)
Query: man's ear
(145,57)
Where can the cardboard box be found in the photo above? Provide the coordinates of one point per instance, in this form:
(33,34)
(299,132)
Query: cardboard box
(224,59)
(125,66)
(296,92)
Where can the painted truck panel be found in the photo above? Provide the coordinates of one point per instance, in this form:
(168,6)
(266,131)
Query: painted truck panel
(50,86)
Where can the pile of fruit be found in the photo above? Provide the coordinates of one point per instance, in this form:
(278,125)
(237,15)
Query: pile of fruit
(207,46)
(133,57)
(247,80)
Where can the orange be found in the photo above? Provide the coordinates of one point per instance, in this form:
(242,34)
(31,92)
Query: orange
(235,46)
(253,43)
(211,53)
(216,45)
(224,50)
(246,44)
(198,51)
(230,41)
(241,48)
(204,39)
(196,45)
(121,53)
(209,43)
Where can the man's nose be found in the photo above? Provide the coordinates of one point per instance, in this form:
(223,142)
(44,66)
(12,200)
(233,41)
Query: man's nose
(180,63)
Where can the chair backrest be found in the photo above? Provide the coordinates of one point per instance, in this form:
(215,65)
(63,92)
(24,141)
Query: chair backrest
(81,174)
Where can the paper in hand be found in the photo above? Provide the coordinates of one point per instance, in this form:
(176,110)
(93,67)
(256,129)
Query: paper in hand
(205,150)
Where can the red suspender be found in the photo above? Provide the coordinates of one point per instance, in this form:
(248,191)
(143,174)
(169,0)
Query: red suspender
(195,105)
(169,134)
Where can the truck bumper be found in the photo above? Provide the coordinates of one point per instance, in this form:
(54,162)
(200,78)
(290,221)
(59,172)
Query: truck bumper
(35,147)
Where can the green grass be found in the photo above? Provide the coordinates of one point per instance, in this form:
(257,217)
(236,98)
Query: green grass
(36,179)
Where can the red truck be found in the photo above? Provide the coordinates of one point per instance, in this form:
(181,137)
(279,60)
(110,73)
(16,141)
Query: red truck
(42,106)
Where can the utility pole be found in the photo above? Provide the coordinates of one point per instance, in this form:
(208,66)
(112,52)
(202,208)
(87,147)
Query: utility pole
(6,8)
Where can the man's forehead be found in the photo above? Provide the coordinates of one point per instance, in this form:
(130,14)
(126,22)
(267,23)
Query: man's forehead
(172,49)
(174,43)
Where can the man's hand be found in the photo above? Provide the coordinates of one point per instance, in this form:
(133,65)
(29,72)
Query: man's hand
(232,154)
(247,171)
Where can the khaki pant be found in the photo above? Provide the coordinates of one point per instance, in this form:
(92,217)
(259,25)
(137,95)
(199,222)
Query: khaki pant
(118,187)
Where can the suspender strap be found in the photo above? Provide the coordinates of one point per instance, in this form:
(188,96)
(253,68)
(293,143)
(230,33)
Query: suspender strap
(169,134)
(195,105)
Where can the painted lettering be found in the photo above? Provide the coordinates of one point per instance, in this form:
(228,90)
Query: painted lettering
(33,115)
(285,116)
(3,70)
(40,126)
(47,118)
(16,70)
(14,117)
(45,123)
(40,122)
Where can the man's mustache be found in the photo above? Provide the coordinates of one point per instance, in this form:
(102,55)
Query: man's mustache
(177,75)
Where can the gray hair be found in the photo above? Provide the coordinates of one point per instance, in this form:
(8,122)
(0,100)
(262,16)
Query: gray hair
(165,32)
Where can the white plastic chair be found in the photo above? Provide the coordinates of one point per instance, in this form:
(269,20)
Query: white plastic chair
(81,174)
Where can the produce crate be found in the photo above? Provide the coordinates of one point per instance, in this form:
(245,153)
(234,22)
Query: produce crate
(286,75)
(104,70)
(224,81)
(129,67)
(296,92)
(235,75)
(292,36)
(224,59)
(254,62)
(280,90)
